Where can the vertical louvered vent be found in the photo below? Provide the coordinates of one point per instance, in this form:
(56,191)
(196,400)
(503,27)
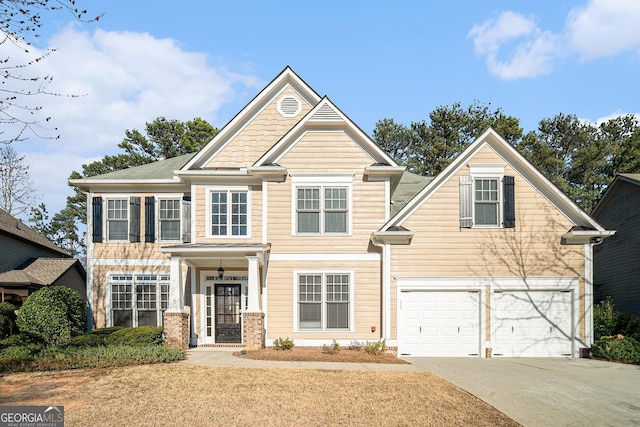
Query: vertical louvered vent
(289,106)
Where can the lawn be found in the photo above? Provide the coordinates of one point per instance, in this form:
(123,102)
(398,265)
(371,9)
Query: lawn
(181,394)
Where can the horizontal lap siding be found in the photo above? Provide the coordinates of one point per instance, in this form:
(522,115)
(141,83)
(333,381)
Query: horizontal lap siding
(280,296)
(258,136)
(440,248)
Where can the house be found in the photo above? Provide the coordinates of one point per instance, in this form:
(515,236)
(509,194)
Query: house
(29,261)
(291,222)
(617,260)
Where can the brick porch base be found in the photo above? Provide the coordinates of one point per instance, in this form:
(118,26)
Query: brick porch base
(176,329)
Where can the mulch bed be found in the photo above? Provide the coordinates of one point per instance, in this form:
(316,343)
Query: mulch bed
(313,354)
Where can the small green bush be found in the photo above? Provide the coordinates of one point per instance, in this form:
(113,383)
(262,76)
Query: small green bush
(139,336)
(628,325)
(332,348)
(95,338)
(605,318)
(625,350)
(355,345)
(374,347)
(21,339)
(283,343)
(54,313)
(8,325)
(20,352)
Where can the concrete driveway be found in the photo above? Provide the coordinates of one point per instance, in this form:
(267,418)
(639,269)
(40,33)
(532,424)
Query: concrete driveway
(547,391)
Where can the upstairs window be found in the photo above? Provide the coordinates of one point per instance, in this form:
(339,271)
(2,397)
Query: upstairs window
(487,201)
(322,210)
(229,213)
(169,219)
(117,219)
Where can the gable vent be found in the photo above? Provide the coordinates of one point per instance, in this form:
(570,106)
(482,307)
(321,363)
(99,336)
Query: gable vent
(289,106)
(326,113)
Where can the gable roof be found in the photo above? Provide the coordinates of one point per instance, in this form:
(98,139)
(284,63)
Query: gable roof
(410,184)
(39,271)
(15,228)
(490,137)
(286,78)
(631,178)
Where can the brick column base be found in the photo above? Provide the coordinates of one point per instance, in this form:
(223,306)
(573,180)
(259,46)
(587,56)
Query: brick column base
(176,329)
(253,330)
(487,352)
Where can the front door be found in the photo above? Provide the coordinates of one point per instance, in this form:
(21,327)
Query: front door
(227,313)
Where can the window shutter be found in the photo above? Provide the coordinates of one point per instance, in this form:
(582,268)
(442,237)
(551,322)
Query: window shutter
(466,202)
(186,219)
(134,219)
(97,219)
(149,219)
(508,192)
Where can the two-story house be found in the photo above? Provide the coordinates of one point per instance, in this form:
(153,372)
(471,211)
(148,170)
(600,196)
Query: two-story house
(293,223)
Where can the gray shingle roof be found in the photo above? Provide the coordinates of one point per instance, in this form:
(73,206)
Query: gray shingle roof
(16,228)
(162,169)
(39,271)
(410,184)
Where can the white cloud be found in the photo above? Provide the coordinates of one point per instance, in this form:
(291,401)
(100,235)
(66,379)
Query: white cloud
(604,27)
(532,54)
(128,79)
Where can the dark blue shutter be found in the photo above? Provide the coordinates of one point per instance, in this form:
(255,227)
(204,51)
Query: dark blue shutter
(509,206)
(96,210)
(149,219)
(134,219)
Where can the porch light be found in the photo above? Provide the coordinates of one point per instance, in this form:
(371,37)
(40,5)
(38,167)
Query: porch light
(220,271)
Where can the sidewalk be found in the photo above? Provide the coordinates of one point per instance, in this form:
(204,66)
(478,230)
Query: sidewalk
(225,358)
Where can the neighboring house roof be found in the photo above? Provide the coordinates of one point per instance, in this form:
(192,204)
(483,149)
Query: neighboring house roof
(631,178)
(562,202)
(410,184)
(14,227)
(38,271)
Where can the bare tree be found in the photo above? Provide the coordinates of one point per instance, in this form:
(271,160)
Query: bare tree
(17,193)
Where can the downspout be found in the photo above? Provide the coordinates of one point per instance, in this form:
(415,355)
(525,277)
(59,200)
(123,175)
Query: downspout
(385,297)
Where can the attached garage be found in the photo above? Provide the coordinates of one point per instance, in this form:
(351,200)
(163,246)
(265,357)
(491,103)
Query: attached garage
(439,323)
(531,323)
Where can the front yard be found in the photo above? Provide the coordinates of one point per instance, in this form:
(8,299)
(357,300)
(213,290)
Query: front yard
(182,394)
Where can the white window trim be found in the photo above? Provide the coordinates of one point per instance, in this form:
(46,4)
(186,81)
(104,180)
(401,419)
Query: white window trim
(105,216)
(228,189)
(134,308)
(321,181)
(177,197)
(487,171)
(324,329)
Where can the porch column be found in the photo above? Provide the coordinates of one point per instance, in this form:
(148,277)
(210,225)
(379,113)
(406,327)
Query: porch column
(253,323)
(176,319)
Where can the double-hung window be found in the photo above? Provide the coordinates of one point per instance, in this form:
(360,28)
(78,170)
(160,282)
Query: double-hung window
(321,208)
(117,219)
(138,299)
(229,213)
(487,198)
(486,201)
(169,219)
(324,301)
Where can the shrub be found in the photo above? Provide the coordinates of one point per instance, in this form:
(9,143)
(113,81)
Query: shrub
(20,352)
(95,338)
(625,350)
(332,348)
(283,343)
(139,336)
(628,325)
(604,318)
(374,347)
(7,320)
(54,313)
(355,345)
(21,339)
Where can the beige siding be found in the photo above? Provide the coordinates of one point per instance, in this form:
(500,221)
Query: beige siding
(441,248)
(258,136)
(281,297)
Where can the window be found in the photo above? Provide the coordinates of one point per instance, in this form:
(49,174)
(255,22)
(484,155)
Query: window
(229,213)
(169,219)
(323,301)
(321,210)
(117,219)
(487,201)
(138,299)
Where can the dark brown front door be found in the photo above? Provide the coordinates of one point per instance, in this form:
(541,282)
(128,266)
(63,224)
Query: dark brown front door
(228,328)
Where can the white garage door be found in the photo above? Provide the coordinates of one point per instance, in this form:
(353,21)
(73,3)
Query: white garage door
(439,323)
(531,323)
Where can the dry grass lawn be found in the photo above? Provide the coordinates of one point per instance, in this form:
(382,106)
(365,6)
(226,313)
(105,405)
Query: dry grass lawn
(180,394)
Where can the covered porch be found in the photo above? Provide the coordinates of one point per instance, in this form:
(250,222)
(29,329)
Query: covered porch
(226,284)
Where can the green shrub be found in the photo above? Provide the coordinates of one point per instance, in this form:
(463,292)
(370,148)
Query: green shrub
(374,347)
(283,343)
(628,325)
(54,313)
(332,348)
(20,352)
(7,320)
(605,318)
(21,339)
(625,350)
(139,336)
(95,338)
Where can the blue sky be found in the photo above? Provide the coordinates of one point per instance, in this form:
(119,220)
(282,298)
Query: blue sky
(373,59)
